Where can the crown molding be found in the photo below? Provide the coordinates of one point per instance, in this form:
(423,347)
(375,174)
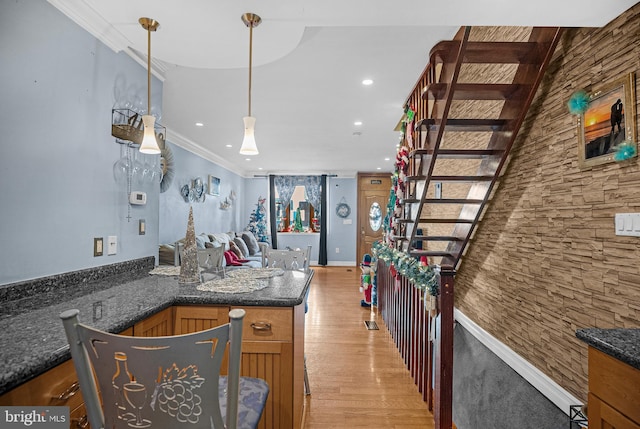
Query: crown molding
(88,19)
(191,146)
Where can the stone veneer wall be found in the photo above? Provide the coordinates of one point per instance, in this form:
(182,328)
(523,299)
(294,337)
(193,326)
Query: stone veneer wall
(545,260)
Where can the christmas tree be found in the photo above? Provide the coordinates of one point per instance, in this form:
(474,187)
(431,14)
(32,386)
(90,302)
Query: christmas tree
(258,222)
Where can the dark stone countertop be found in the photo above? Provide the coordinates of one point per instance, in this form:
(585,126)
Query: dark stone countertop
(622,344)
(32,338)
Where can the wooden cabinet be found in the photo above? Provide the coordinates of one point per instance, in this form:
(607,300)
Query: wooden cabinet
(158,325)
(614,393)
(272,349)
(57,387)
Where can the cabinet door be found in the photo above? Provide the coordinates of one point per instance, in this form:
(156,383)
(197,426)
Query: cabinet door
(272,361)
(158,325)
(198,318)
(57,387)
(603,416)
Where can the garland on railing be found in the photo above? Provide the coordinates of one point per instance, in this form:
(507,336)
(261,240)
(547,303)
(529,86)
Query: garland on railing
(424,277)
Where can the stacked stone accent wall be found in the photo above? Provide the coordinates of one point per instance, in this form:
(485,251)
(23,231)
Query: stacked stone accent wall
(545,259)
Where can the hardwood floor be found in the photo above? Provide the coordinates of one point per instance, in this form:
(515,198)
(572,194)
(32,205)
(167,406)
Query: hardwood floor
(357,376)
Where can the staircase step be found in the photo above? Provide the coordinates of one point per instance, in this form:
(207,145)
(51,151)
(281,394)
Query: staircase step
(465,125)
(459,153)
(443,220)
(441,201)
(489,52)
(419,253)
(459,179)
(476,91)
(437,238)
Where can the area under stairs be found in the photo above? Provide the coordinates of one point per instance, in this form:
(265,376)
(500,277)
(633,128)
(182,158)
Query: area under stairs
(470,103)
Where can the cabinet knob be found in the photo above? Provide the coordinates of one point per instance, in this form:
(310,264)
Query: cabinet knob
(82,422)
(261,326)
(67,394)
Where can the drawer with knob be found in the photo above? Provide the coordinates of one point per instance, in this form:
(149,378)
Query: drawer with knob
(268,324)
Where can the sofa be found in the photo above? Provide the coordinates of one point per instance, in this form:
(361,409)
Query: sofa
(244,246)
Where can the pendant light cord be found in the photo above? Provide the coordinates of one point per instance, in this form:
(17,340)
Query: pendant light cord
(250,60)
(149,70)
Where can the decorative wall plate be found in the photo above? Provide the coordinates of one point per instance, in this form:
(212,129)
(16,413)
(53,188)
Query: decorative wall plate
(343,210)
(167,165)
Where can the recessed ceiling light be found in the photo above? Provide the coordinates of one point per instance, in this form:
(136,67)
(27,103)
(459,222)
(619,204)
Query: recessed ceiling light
(357,123)
(259,168)
(247,159)
(378,168)
(367,82)
(387,159)
(229,145)
(199,124)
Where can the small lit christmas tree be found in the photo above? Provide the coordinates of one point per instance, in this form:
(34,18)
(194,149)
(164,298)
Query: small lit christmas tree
(258,222)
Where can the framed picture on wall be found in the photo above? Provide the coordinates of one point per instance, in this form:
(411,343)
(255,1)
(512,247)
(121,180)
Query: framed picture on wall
(214,185)
(608,121)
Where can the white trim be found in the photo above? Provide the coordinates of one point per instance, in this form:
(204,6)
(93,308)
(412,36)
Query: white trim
(92,22)
(549,388)
(342,264)
(187,144)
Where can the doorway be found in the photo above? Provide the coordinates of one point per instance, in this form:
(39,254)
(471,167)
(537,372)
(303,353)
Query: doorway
(373,195)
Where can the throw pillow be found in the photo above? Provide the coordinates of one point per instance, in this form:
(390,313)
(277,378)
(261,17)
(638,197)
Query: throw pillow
(235,249)
(251,242)
(200,240)
(242,246)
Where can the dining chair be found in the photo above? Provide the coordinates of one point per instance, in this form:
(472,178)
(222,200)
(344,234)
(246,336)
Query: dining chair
(287,259)
(164,382)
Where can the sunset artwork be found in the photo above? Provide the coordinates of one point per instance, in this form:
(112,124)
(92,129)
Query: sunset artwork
(607,122)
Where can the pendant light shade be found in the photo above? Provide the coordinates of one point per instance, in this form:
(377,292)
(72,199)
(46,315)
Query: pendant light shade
(249,146)
(249,142)
(149,143)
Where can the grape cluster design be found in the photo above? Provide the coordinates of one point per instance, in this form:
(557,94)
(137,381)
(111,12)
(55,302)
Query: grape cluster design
(175,394)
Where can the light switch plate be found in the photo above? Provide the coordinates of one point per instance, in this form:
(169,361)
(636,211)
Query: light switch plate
(98,247)
(112,245)
(142,227)
(627,224)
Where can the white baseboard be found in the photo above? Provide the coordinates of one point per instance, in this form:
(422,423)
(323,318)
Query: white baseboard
(341,263)
(549,388)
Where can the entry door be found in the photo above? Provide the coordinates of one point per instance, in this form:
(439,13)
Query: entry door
(373,195)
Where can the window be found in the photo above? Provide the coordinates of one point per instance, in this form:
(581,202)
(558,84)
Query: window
(298,206)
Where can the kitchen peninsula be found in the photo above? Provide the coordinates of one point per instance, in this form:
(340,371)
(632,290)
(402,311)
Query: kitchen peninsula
(35,353)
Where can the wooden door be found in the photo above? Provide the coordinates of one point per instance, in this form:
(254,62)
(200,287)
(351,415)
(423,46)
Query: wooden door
(373,189)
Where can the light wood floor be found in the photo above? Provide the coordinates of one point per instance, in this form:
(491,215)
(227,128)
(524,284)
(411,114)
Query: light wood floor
(357,376)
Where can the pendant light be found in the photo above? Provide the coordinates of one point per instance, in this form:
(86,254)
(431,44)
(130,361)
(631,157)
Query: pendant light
(149,143)
(249,147)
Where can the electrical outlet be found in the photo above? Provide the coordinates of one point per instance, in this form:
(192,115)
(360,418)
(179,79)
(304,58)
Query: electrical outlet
(112,245)
(337,250)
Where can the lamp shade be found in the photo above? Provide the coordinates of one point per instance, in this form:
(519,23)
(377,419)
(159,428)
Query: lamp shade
(249,142)
(149,143)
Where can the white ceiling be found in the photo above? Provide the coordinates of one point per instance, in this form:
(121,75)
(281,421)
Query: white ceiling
(309,59)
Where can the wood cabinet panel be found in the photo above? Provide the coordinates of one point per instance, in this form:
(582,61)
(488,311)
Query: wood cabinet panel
(603,416)
(273,362)
(198,318)
(615,383)
(158,325)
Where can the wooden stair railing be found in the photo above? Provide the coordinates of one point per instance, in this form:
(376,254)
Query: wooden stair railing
(464,149)
(470,102)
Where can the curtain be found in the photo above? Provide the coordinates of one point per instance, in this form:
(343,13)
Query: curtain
(322,252)
(285,185)
(313,186)
(272,212)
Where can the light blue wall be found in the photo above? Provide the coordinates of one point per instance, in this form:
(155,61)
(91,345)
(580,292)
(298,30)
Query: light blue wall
(342,235)
(58,85)
(207,216)
(339,234)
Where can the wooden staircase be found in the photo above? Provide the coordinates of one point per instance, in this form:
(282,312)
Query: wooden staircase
(470,103)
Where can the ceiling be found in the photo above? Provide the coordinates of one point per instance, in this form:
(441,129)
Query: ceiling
(309,60)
